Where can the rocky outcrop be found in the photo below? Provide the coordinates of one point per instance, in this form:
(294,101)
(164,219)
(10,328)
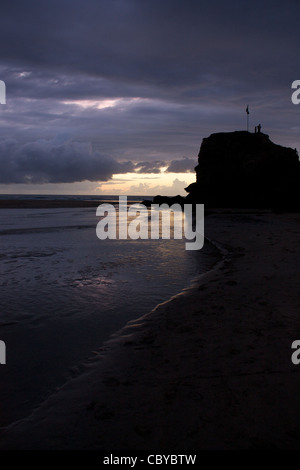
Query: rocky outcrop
(242,169)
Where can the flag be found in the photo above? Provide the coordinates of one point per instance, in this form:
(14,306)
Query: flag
(247,110)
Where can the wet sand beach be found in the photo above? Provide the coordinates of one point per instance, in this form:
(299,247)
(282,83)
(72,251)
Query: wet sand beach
(209,369)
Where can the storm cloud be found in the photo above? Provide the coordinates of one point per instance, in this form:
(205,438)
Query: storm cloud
(53,161)
(149,167)
(98,88)
(48,162)
(158,44)
(182,166)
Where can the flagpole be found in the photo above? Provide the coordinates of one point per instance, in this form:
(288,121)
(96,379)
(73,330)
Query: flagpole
(247,111)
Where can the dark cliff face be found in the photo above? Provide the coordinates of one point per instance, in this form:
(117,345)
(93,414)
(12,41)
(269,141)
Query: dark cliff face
(241,169)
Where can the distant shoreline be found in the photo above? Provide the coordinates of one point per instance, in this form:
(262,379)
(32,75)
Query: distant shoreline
(62,201)
(70,203)
(46,203)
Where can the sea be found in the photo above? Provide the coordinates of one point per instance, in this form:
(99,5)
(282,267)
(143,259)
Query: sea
(64,292)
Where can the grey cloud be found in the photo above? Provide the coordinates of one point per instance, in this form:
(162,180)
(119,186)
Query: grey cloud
(165,47)
(62,161)
(182,166)
(149,167)
(129,131)
(46,162)
(177,187)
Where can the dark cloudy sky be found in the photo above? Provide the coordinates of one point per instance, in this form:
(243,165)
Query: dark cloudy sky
(115,96)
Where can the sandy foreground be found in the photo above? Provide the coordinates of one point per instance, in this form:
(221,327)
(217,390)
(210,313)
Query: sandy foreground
(209,369)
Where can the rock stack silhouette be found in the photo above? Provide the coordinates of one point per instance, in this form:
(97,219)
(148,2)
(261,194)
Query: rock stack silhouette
(243,169)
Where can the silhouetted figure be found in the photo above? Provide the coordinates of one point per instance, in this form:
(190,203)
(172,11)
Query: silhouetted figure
(255,131)
(258,128)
